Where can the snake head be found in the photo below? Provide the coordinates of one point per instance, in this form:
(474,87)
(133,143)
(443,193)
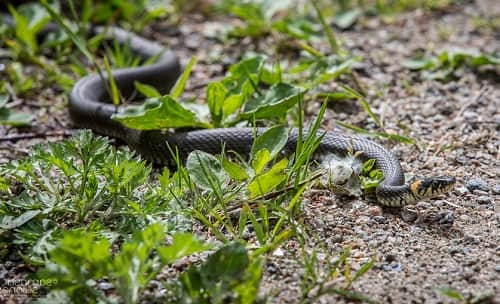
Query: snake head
(432,186)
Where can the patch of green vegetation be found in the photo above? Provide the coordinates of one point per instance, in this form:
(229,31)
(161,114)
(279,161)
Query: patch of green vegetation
(319,275)
(66,205)
(234,99)
(459,297)
(446,63)
(11,117)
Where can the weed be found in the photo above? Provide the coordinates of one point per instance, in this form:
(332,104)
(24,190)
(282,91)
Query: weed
(11,117)
(446,63)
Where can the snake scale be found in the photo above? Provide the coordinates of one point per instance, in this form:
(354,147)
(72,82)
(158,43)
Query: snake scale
(89,107)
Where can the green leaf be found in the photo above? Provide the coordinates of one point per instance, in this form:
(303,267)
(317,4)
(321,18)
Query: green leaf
(362,270)
(277,101)
(273,139)
(364,103)
(216,94)
(243,69)
(327,29)
(133,265)
(396,137)
(115,93)
(147,90)
(11,222)
(260,160)
(181,82)
(232,103)
(368,165)
(347,19)
(37,16)
(451,293)
(183,244)
(227,264)
(269,180)
(227,274)
(14,118)
(418,63)
(158,114)
(4,98)
(234,170)
(337,96)
(206,171)
(300,28)
(23,31)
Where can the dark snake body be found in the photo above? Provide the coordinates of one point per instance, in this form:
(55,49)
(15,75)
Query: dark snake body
(88,109)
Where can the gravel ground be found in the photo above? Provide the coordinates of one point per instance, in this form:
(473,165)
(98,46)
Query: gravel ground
(453,240)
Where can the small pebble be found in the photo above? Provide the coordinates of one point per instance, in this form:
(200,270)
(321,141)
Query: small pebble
(480,192)
(446,218)
(477,184)
(496,189)
(380,219)
(374,211)
(409,216)
(483,200)
(497,268)
(456,250)
(278,253)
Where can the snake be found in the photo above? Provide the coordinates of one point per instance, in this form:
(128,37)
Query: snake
(90,107)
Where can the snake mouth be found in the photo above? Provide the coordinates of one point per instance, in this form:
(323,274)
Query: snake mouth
(432,186)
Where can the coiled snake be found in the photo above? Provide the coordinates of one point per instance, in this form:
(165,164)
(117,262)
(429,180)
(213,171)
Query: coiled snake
(89,109)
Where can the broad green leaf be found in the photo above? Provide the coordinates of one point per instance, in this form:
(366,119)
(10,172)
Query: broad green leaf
(269,180)
(147,90)
(158,114)
(227,264)
(14,118)
(37,16)
(183,244)
(232,103)
(277,101)
(181,82)
(227,274)
(206,171)
(133,264)
(273,139)
(260,160)
(216,94)
(246,67)
(347,19)
(4,98)
(11,222)
(234,170)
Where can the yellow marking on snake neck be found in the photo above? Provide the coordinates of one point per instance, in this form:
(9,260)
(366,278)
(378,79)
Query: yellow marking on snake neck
(414,186)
